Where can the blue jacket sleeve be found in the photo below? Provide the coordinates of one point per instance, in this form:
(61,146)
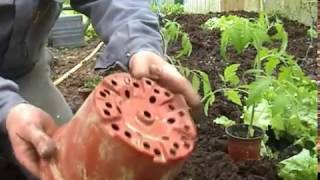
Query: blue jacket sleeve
(9,97)
(125,26)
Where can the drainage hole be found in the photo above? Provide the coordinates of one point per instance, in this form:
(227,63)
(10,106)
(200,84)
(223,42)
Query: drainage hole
(108,105)
(119,110)
(181,113)
(106,112)
(186,127)
(156,91)
(171,120)
(136,85)
(107,91)
(157,152)
(115,127)
(146,145)
(152,99)
(148,82)
(103,94)
(147,114)
(176,145)
(114,82)
(186,145)
(127,134)
(173,152)
(167,94)
(171,107)
(166,138)
(127,93)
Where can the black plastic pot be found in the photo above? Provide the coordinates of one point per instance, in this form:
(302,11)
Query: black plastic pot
(241,147)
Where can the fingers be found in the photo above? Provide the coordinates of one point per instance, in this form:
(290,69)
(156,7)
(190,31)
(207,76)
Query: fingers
(42,143)
(149,65)
(174,81)
(29,130)
(26,156)
(30,146)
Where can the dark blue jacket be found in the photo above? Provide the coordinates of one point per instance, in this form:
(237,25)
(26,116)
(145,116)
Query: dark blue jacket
(126,26)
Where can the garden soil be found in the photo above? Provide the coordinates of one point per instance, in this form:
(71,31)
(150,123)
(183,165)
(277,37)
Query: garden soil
(209,160)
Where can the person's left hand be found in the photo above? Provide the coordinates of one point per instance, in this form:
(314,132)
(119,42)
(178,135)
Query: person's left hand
(150,65)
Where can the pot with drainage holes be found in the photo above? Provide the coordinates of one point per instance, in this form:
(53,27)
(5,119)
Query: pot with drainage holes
(126,129)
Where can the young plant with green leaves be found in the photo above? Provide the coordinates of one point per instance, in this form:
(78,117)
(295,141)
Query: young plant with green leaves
(172,32)
(239,32)
(200,80)
(92,82)
(167,9)
(231,88)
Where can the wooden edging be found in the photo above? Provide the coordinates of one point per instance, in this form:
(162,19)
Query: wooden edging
(78,66)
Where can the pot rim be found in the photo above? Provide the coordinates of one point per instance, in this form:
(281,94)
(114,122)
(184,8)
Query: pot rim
(227,130)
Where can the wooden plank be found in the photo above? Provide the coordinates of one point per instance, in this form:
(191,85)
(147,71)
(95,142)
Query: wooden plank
(232,5)
(252,5)
(201,6)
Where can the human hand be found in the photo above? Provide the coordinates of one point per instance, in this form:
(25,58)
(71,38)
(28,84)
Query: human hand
(150,65)
(29,129)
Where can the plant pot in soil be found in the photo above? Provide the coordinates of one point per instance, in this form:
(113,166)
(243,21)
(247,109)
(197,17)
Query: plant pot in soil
(126,129)
(241,147)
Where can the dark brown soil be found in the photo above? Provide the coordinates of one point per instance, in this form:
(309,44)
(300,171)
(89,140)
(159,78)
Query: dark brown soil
(209,160)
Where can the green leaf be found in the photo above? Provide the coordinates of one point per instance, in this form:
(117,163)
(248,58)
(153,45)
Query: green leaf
(281,35)
(230,74)
(280,103)
(301,166)
(186,46)
(271,65)
(262,115)
(195,82)
(224,121)
(257,89)
(171,31)
(206,82)
(224,44)
(312,33)
(209,100)
(233,96)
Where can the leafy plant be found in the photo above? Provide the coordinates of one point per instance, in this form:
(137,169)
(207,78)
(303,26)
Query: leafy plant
(92,82)
(231,88)
(90,33)
(239,32)
(171,31)
(289,105)
(167,8)
(312,32)
(300,166)
(186,45)
(224,121)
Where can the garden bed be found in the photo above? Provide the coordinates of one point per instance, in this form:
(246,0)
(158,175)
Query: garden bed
(209,161)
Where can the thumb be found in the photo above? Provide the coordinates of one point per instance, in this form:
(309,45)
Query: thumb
(138,67)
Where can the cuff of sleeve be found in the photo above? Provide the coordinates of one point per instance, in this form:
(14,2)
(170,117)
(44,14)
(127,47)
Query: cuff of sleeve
(127,41)
(14,100)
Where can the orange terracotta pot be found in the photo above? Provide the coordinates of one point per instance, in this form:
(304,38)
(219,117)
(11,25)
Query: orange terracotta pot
(241,148)
(127,129)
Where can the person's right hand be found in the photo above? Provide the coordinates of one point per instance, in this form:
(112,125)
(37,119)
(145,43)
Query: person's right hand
(29,129)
